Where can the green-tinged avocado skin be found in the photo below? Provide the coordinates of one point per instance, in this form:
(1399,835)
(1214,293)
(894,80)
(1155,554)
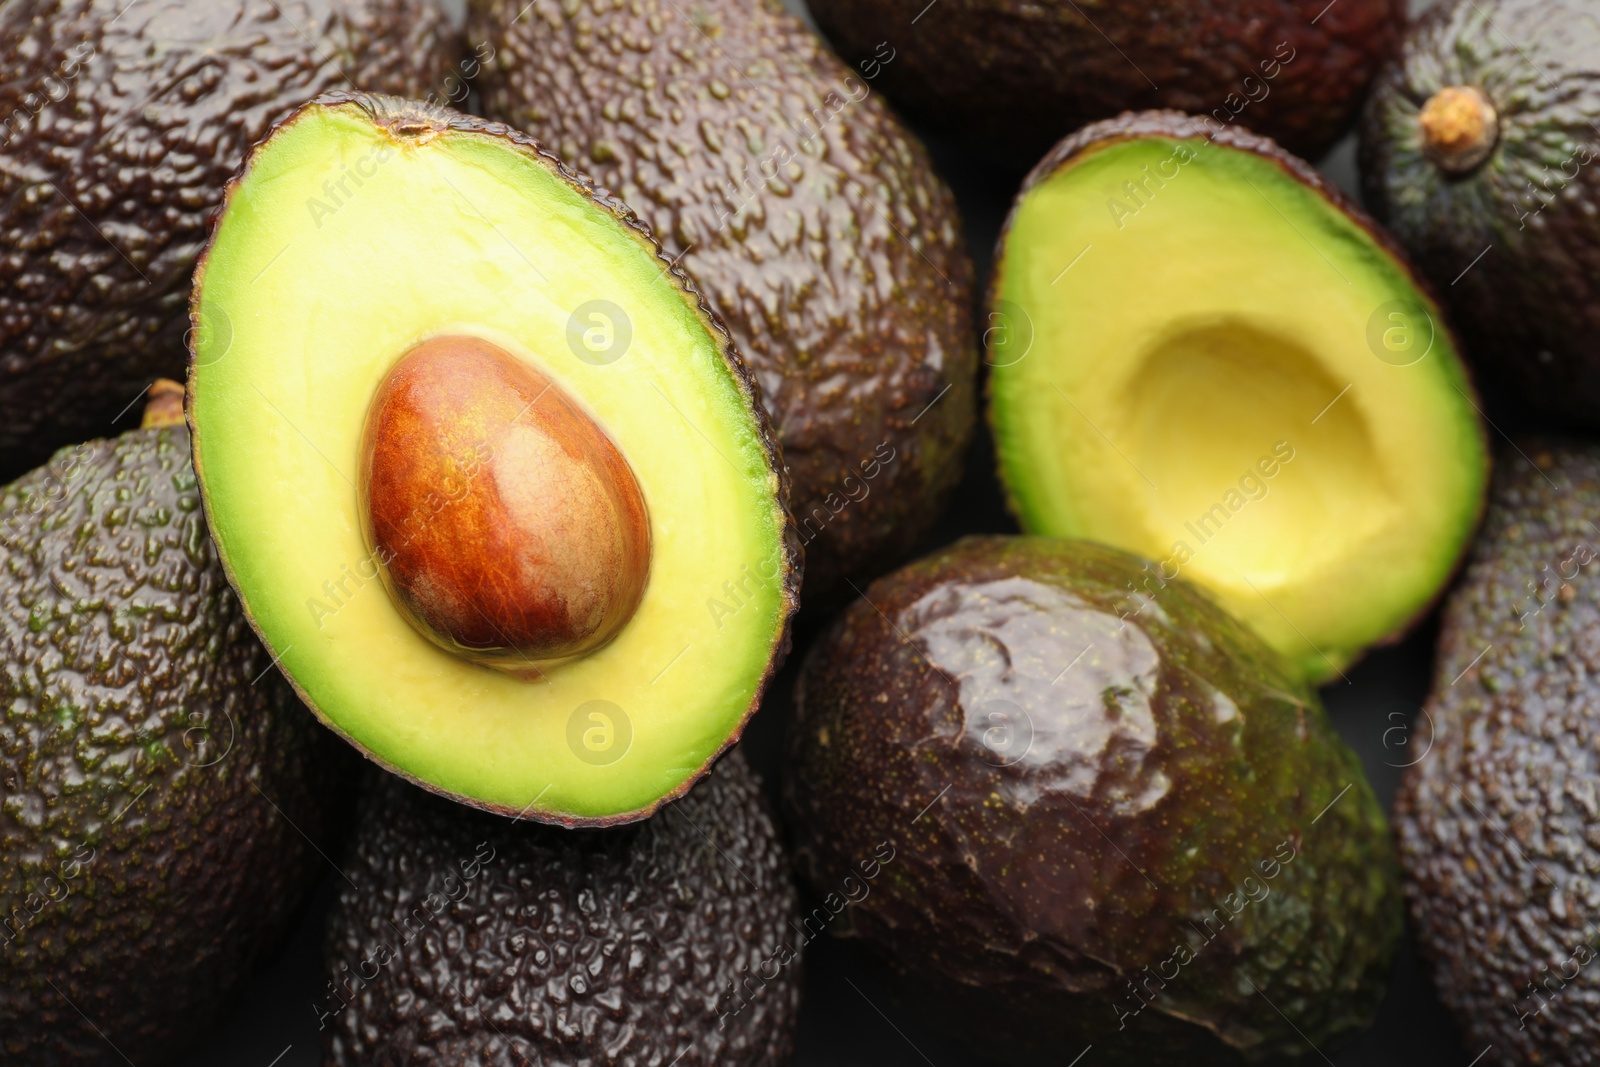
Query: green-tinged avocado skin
(1514,241)
(1497,820)
(1085,772)
(1024,75)
(161,789)
(808,215)
(502,943)
(119,125)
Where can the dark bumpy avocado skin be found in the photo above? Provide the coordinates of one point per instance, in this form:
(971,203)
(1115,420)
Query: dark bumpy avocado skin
(808,215)
(119,125)
(1030,73)
(1499,823)
(469,938)
(156,774)
(1531,304)
(1070,801)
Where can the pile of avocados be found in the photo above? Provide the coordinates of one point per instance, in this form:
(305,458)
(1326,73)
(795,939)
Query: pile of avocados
(432,431)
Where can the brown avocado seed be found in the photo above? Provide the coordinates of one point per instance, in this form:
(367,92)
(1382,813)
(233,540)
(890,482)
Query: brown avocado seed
(1459,128)
(508,528)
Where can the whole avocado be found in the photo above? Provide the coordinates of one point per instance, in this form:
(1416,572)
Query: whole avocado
(161,788)
(1024,75)
(1477,151)
(465,937)
(1499,820)
(807,214)
(1117,818)
(119,125)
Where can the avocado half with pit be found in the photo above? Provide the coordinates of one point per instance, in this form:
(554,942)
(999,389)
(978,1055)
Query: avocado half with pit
(1203,354)
(490,480)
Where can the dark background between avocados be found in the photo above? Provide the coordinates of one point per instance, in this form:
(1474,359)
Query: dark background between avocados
(848,1019)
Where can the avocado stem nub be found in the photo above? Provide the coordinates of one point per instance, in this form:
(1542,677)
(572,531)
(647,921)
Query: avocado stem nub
(1459,128)
(165,406)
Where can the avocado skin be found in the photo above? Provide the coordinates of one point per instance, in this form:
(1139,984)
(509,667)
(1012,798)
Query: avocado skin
(1498,823)
(1029,74)
(1014,895)
(145,725)
(846,286)
(1531,304)
(395,113)
(142,133)
(568,947)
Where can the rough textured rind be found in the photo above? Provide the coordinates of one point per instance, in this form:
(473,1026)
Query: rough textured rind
(1137,124)
(809,216)
(119,124)
(505,944)
(1514,243)
(1029,73)
(1499,823)
(409,118)
(156,775)
(1070,796)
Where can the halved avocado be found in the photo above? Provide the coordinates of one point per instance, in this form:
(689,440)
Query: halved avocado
(443,388)
(1204,355)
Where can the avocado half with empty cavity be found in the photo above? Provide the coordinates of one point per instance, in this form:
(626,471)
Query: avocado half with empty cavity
(490,480)
(1203,354)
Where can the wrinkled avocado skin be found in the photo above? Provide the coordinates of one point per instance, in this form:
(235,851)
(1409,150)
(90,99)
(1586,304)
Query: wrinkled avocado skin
(1515,243)
(1499,822)
(159,783)
(807,214)
(1020,73)
(465,937)
(1050,849)
(119,125)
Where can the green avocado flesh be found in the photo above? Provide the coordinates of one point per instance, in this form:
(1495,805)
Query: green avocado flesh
(347,241)
(1202,359)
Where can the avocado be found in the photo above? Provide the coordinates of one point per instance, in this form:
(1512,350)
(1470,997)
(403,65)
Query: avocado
(490,479)
(1476,150)
(1212,359)
(806,212)
(461,938)
(1115,816)
(1498,822)
(1026,74)
(119,124)
(163,795)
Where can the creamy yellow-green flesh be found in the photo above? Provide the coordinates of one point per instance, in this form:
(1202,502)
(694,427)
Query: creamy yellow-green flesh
(1220,370)
(304,309)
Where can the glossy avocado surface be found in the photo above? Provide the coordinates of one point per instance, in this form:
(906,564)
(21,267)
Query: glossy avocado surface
(164,798)
(1117,818)
(805,211)
(119,125)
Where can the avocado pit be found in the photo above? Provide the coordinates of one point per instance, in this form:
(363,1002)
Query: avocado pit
(1459,128)
(508,528)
